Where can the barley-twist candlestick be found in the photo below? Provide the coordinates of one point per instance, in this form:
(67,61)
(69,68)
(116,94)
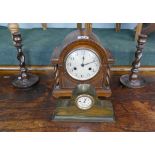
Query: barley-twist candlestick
(134,80)
(25,79)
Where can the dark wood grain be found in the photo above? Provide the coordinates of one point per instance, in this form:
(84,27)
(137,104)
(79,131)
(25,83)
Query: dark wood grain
(30,109)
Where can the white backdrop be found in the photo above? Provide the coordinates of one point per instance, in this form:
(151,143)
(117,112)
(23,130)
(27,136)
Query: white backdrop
(73,25)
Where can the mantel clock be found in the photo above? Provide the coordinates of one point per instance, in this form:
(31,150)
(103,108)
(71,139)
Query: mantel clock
(81,59)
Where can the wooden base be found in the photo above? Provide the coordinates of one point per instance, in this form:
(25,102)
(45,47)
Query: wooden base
(101,112)
(68,92)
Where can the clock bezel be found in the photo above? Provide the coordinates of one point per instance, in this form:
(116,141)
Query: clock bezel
(82,48)
(85,95)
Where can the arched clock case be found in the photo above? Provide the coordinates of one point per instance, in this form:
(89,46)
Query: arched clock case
(71,70)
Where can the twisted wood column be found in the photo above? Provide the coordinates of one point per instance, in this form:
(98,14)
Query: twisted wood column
(134,80)
(17,40)
(107,81)
(138,55)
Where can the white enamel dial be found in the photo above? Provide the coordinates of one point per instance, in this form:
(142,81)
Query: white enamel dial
(84,102)
(82,64)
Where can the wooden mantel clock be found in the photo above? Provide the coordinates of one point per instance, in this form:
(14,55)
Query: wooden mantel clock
(81,59)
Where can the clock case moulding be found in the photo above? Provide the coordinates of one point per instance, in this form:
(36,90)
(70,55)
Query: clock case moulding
(64,83)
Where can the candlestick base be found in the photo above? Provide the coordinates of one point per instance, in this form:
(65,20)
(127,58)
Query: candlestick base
(138,83)
(27,82)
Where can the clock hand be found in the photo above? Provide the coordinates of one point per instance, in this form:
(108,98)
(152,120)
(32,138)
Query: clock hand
(89,63)
(85,100)
(83,57)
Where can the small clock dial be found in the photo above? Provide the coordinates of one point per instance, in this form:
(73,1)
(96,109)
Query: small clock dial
(82,64)
(84,102)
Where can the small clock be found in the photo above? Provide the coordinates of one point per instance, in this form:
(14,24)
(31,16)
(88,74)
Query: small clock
(84,102)
(81,59)
(84,96)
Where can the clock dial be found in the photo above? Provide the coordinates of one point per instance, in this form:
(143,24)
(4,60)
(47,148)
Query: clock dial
(82,64)
(84,102)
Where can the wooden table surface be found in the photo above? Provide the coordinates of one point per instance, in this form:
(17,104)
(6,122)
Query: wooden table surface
(30,109)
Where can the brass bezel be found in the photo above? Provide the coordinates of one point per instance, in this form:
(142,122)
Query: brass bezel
(85,49)
(85,95)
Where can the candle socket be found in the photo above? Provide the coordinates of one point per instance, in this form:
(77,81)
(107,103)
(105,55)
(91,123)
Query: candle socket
(24,79)
(134,80)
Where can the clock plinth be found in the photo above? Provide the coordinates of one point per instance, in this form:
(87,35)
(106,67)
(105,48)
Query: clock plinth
(101,112)
(84,106)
